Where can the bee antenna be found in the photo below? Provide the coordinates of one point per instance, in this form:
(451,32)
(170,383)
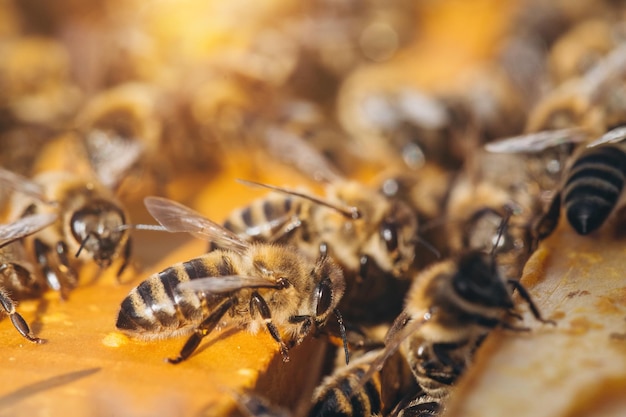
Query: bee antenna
(342,331)
(84,242)
(501,228)
(428,246)
(352,213)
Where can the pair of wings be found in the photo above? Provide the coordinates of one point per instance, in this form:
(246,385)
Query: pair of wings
(176,217)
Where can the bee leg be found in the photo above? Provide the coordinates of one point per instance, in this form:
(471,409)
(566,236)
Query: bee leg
(523,292)
(64,263)
(125,257)
(16,318)
(41,255)
(202,330)
(548,222)
(258,303)
(364,263)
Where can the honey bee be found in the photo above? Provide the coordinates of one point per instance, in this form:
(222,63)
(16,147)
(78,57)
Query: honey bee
(591,188)
(120,128)
(592,102)
(371,236)
(17,279)
(340,394)
(404,124)
(449,310)
(91,224)
(258,285)
(580,48)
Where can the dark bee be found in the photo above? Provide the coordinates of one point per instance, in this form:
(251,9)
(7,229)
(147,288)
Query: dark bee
(17,278)
(449,310)
(246,285)
(591,188)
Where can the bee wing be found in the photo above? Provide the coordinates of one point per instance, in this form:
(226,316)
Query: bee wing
(24,227)
(176,217)
(23,185)
(293,150)
(401,328)
(111,156)
(616,135)
(226,283)
(536,142)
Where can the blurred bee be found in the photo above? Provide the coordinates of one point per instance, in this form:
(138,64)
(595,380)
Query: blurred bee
(580,48)
(243,284)
(341,393)
(593,102)
(449,310)
(17,279)
(371,236)
(91,224)
(404,124)
(592,187)
(120,127)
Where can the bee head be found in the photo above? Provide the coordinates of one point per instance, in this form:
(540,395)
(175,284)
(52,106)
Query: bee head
(329,289)
(98,229)
(397,233)
(478,281)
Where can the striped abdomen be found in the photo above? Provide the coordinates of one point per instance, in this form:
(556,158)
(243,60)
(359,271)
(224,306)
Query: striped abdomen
(156,309)
(341,396)
(593,187)
(262,219)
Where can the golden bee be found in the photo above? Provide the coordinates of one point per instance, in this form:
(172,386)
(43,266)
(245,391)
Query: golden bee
(342,394)
(244,284)
(18,279)
(591,188)
(91,225)
(371,236)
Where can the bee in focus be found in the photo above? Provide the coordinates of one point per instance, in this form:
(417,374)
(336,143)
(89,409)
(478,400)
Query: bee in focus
(91,225)
(591,188)
(371,236)
(242,284)
(342,394)
(17,277)
(449,310)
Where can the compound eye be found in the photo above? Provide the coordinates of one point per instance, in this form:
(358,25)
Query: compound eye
(389,234)
(323,298)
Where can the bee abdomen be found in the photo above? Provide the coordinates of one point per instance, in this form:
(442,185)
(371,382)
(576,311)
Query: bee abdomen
(261,218)
(346,399)
(593,188)
(155,306)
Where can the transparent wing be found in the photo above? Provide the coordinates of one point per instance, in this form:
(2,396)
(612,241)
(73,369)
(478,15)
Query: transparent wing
(536,142)
(111,156)
(226,283)
(293,150)
(176,217)
(616,135)
(23,185)
(24,227)
(402,328)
